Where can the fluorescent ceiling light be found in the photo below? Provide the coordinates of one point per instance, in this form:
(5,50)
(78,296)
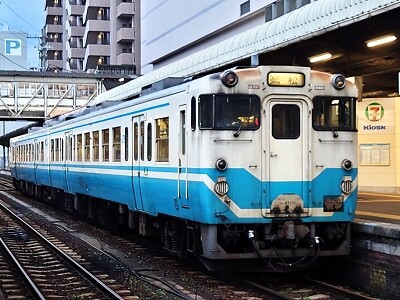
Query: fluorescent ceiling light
(320,57)
(381,40)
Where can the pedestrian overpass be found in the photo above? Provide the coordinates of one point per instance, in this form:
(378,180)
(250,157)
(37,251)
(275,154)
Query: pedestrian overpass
(36,96)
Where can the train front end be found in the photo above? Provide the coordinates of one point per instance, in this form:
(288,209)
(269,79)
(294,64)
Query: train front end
(283,143)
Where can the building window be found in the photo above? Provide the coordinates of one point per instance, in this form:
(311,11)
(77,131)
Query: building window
(245,8)
(162,139)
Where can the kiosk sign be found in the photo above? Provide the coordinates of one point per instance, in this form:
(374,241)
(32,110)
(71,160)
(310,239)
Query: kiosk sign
(374,112)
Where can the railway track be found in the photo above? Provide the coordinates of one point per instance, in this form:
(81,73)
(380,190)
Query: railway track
(298,286)
(45,269)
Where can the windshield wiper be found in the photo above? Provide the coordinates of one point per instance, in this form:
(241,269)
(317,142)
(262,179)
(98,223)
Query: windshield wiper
(335,134)
(237,133)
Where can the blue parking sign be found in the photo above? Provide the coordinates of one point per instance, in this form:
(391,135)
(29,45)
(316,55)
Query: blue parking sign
(12,47)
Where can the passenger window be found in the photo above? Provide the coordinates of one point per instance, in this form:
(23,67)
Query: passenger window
(135,141)
(117,144)
(61,149)
(193,113)
(106,144)
(126,141)
(79,146)
(162,139)
(285,121)
(142,140)
(52,150)
(96,145)
(149,142)
(87,146)
(57,150)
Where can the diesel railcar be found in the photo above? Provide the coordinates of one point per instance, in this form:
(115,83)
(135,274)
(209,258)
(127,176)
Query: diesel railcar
(247,165)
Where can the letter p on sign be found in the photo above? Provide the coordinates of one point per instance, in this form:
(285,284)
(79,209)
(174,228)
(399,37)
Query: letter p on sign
(12,47)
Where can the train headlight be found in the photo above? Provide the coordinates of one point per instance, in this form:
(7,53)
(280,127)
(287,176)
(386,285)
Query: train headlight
(221,164)
(347,164)
(338,81)
(229,78)
(347,185)
(221,187)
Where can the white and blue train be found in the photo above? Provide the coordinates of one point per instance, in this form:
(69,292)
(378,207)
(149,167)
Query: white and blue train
(235,167)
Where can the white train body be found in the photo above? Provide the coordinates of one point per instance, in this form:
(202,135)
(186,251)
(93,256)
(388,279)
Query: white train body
(255,163)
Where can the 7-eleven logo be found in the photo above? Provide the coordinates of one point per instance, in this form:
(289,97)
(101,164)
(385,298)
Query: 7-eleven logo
(374,112)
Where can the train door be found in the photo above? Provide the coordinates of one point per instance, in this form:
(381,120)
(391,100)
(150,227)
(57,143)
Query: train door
(183,180)
(138,159)
(286,160)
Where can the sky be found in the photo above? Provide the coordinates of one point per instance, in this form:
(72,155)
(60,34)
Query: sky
(26,16)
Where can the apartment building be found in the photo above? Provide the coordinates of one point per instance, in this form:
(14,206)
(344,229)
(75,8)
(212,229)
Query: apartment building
(83,35)
(188,29)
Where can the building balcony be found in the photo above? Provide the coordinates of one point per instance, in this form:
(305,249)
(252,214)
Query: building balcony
(97,50)
(126,59)
(55,46)
(54,11)
(54,28)
(53,64)
(74,9)
(76,31)
(125,35)
(125,9)
(76,52)
(94,5)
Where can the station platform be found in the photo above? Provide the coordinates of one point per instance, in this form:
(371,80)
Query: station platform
(378,207)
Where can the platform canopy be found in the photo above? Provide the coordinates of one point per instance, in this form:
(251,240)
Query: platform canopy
(309,21)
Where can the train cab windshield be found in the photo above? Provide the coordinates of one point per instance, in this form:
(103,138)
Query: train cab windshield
(333,113)
(229,112)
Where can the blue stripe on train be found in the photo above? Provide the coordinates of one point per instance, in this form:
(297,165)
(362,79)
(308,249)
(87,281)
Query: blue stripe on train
(161,195)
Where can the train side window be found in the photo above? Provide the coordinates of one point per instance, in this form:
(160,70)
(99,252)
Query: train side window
(193,107)
(162,139)
(135,141)
(106,144)
(75,148)
(149,142)
(285,121)
(183,132)
(116,143)
(79,146)
(61,149)
(41,151)
(96,145)
(142,140)
(71,148)
(57,150)
(87,146)
(52,150)
(126,141)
